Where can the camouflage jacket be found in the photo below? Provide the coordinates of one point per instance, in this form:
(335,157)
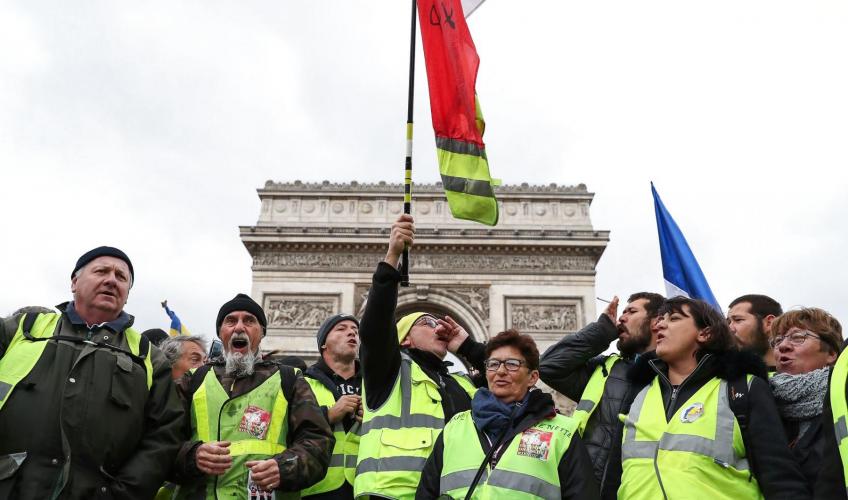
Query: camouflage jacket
(309,442)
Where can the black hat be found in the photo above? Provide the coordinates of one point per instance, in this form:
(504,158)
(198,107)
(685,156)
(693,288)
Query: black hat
(241,302)
(328,325)
(155,335)
(102,252)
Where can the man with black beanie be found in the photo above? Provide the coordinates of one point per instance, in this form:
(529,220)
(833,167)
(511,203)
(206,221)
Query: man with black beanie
(87,405)
(336,382)
(257,427)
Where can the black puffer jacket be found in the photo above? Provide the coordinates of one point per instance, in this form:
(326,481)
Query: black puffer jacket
(574,470)
(775,469)
(566,367)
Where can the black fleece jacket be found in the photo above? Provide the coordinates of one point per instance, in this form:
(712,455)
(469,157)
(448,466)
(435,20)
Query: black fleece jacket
(776,471)
(380,350)
(575,470)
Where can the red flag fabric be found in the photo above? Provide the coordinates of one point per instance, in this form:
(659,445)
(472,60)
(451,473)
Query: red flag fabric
(452,63)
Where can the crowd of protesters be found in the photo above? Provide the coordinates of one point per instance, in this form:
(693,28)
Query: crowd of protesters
(692,404)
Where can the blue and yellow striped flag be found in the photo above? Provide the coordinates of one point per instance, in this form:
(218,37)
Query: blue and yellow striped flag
(177,326)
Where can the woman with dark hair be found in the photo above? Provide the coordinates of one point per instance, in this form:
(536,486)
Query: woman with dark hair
(705,424)
(512,443)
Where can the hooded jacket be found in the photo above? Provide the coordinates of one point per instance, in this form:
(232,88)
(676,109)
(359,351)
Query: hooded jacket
(774,467)
(575,470)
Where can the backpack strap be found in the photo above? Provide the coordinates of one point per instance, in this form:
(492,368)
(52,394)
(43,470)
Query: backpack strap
(29,322)
(288,377)
(740,405)
(197,378)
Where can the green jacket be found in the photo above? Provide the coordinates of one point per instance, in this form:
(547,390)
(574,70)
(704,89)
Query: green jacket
(85,419)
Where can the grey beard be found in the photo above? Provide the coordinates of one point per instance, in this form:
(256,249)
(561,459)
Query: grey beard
(240,365)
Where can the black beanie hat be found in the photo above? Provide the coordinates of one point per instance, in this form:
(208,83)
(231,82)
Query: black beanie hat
(328,325)
(241,302)
(102,252)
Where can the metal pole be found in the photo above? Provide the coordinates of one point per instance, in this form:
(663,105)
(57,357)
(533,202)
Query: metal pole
(407,180)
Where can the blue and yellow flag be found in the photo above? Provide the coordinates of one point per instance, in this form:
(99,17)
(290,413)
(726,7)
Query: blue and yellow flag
(177,327)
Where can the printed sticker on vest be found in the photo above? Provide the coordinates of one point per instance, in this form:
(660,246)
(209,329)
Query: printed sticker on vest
(255,422)
(535,443)
(692,412)
(255,492)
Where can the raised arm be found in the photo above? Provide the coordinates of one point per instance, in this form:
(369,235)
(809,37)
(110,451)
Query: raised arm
(380,350)
(564,366)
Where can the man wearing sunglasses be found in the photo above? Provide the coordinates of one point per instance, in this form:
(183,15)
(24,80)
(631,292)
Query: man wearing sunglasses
(409,394)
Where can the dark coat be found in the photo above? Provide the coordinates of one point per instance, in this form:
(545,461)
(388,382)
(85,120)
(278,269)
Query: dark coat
(309,441)
(566,367)
(86,420)
(575,471)
(808,448)
(830,483)
(776,471)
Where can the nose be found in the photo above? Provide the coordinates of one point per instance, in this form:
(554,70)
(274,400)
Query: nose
(784,346)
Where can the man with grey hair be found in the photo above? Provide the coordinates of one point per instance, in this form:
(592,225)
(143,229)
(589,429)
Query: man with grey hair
(87,405)
(256,427)
(184,352)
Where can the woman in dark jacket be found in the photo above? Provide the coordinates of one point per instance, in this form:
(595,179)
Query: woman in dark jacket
(682,428)
(513,433)
(806,343)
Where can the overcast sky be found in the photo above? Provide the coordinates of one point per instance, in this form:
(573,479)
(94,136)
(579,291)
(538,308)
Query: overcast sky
(150,125)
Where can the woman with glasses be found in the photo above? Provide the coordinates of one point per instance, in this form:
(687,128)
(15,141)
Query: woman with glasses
(512,443)
(806,343)
(705,424)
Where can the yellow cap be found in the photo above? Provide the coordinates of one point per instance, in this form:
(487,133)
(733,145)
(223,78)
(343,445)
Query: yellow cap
(405,324)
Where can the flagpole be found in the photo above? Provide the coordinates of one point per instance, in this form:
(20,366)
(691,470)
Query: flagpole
(407,180)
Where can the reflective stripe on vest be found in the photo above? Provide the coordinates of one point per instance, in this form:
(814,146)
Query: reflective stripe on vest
(527,469)
(593,392)
(255,424)
(839,406)
(701,444)
(468,184)
(397,438)
(22,355)
(335,476)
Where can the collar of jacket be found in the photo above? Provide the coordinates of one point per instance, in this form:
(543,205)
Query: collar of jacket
(117,325)
(325,368)
(429,361)
(726,365)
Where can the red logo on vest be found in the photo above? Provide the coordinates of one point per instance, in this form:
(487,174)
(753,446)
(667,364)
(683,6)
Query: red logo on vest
(255,422)
(535,443)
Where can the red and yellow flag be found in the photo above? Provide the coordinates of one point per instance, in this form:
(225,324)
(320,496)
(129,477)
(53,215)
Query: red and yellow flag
(452,63)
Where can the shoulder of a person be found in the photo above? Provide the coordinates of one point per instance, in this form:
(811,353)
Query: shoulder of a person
(733,364)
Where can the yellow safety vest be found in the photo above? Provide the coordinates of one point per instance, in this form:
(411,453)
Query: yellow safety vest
(698,453)
(255,424)
(336,472)
(397,438)
(527,469)
(22,354)
(593,392)
(839,407)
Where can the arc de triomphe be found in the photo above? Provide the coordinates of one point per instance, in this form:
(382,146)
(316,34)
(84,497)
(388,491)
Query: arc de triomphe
(316,245)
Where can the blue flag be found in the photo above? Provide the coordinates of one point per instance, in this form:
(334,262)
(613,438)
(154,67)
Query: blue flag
(682,274)
(177,327)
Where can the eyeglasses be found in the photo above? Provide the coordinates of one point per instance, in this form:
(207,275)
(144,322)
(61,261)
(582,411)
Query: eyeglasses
(795,339)
(512,365)
(426,321)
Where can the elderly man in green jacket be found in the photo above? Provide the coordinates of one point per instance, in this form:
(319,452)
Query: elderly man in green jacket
(87,406)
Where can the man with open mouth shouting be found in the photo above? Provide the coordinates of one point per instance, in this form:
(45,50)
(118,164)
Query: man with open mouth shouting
(256,428)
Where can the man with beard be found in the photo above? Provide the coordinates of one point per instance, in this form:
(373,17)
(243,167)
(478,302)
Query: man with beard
(336,381)
(750,318)
(575,367)
(256,428)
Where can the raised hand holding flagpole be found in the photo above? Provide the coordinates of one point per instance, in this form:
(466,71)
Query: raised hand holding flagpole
(407,178)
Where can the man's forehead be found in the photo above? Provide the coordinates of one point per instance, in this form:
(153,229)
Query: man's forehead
(346,322)
(108,261)
(638,304)
(239,314)
(740,308)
